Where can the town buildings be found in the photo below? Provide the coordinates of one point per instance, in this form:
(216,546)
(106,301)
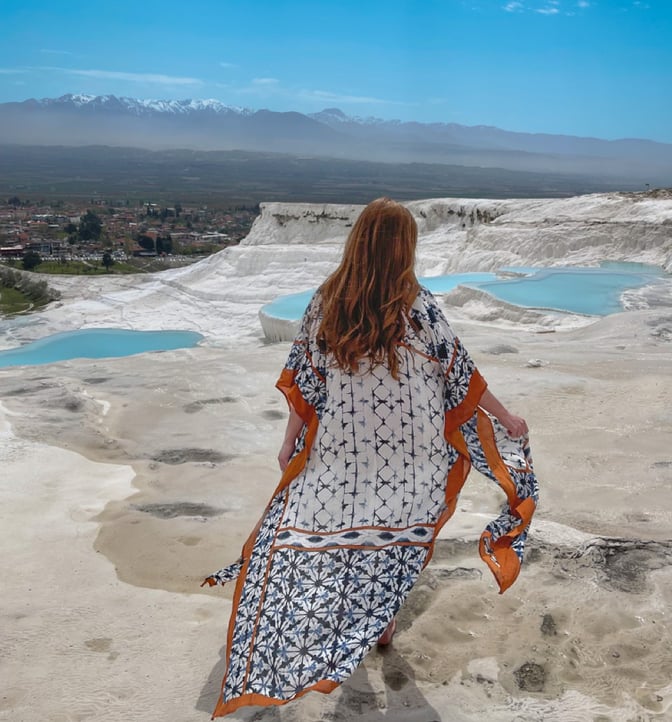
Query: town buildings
(71,231)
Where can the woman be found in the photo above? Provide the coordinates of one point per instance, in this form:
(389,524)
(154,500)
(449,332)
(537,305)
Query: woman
(387,414)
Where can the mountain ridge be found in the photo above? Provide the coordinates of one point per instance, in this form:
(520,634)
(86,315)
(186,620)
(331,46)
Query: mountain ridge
(79,119)
(329,116)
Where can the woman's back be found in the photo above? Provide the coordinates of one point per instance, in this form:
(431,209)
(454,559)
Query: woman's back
(379,457)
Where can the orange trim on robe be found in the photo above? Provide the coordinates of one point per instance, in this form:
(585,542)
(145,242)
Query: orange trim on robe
(223,708)
(291,392)
(457,416)
(506,565)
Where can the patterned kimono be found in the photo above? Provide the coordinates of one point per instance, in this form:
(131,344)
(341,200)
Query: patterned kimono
(377,471)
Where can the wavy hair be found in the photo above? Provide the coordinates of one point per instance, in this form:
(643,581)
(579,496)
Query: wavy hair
(365,301)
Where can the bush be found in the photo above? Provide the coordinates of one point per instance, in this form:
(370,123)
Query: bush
(37,291)
(31,260)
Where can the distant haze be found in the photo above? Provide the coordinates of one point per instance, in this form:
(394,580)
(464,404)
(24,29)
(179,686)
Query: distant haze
(79,120)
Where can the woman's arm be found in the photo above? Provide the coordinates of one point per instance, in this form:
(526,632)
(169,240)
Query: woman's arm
(515,425)
(294,426)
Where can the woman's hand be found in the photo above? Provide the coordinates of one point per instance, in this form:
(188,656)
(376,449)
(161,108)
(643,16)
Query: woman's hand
(516,426)
(294,427)
(286,451)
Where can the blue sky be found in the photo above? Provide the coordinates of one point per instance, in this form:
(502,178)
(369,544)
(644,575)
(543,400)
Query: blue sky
(599,68)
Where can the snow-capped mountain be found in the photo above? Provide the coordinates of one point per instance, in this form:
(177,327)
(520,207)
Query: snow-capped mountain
(137,106)
(212,125)
(159,124)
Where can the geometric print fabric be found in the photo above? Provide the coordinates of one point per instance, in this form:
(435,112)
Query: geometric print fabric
(345,536)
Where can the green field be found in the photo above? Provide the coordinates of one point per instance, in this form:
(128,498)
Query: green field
(13,301)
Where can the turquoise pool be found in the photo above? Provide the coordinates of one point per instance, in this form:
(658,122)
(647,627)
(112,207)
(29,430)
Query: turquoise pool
(588,291)
(96,343)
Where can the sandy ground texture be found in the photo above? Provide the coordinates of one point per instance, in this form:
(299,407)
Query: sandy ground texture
(123,482)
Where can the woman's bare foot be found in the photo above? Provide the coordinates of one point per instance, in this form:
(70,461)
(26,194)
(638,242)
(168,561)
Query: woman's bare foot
(387,636)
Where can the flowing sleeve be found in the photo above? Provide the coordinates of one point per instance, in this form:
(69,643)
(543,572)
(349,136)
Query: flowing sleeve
(482,442)
(302,379)
(302,383)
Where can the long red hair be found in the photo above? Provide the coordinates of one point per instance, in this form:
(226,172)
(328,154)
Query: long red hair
(366,299)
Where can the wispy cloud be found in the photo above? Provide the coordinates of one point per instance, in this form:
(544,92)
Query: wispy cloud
(272,87)
(227,65)
(151,78)
(552,7)
(328,96)
(48,51)
(549,7)
(12,71)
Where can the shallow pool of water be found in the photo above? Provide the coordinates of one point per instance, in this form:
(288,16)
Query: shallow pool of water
(589,291)
(594,291)
(96,343)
